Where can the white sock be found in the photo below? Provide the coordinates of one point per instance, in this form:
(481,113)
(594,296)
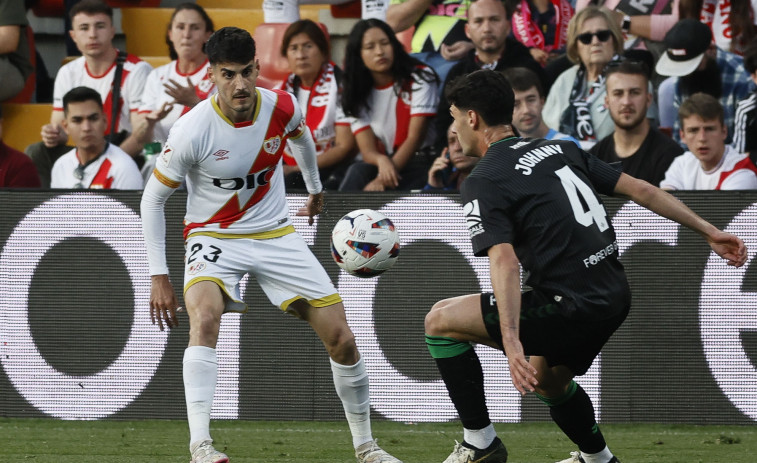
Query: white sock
(602,457)
(351,383)
(480,438)
(200,369)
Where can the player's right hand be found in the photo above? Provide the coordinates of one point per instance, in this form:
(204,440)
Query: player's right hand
(522,373)
(163,302)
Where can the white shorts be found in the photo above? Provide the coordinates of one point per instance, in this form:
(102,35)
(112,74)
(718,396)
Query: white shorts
(284,267)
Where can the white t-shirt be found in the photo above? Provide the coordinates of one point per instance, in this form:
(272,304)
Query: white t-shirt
(133,78)
(233,174)
(114,169)
(735,172)
(155,95)
(391,126)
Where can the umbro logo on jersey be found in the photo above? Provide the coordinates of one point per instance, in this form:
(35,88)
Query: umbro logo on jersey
(221,155)
(272,145)
(473,218)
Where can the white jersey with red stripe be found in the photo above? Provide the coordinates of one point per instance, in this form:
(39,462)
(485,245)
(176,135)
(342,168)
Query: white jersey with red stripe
(734,172)
(155,94)
(114,169)
(234,178)
(420,98)
(133,78)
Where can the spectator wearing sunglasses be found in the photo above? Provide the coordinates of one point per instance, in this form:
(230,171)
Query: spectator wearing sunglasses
(576,102)
(93,163)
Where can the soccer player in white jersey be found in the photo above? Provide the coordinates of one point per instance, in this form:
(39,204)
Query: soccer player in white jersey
(229,147)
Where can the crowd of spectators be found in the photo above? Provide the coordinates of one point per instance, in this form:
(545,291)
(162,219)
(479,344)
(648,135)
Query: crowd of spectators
(666,90)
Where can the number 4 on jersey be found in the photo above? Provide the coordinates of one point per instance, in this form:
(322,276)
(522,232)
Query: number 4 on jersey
(573,187)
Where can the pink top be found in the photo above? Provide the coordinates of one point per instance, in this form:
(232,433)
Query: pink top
(659,24)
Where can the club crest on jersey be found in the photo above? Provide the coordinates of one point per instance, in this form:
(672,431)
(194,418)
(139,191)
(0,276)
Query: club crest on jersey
(196,267)
(272,145)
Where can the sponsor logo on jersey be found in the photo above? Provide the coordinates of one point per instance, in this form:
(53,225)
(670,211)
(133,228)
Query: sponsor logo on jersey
(602,254)
(473,218)
(221,155)
(272,145)
(196,267)
(251,181)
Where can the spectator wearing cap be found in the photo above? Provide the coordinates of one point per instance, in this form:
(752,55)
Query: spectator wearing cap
(709,164)
(695,64)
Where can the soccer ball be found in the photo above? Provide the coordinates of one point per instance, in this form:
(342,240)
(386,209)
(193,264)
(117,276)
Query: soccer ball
(365,243)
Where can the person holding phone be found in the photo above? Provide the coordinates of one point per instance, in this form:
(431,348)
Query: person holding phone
(452,167)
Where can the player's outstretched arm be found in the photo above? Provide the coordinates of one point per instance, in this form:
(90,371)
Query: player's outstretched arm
(728,246)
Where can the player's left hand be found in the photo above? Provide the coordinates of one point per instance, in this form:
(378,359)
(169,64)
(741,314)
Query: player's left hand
(313,206)
(522,373)
(182,95)
(730,247)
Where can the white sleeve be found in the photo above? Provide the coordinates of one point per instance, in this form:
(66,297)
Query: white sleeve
(425,98)
(742,179)
(674,174)
(151,93)
(62,85)
(129,177)
(152,209)
(136,85)
(303,151)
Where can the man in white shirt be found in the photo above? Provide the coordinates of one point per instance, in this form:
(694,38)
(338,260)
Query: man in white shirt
(229,149)
(93,32)
(709,164)
(93,163)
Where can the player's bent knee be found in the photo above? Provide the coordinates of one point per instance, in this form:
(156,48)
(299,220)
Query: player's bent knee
(436,322)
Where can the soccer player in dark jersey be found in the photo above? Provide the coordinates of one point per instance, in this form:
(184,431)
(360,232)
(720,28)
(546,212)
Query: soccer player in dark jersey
(536,203)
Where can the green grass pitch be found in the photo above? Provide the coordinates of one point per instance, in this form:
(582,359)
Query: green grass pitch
(53,441)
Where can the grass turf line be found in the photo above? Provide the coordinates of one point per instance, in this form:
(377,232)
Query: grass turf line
(54,441)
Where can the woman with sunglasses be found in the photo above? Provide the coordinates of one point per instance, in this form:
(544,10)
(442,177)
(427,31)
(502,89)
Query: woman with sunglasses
(576,102)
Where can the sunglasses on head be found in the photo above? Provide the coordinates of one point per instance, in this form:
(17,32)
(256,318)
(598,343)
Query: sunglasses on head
(79,175)
(602,36)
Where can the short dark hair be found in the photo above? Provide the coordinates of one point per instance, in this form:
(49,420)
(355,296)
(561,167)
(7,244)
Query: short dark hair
(486,92)
(80,95)
(626,66)
(91,7)
(187,6)
(230,45)
(522,79)
(510,7)
(703,105)
(750,57)
(312,30)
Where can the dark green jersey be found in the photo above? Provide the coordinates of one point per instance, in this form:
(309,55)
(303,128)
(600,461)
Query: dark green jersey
(542,197)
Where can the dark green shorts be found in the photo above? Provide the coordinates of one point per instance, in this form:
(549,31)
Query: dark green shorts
(547,332)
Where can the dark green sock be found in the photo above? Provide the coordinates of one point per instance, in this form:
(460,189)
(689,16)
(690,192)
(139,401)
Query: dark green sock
(462,374)
(574,414)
